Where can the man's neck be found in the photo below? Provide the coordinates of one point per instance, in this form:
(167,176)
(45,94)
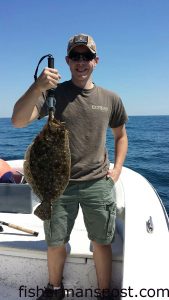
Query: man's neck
(88,85)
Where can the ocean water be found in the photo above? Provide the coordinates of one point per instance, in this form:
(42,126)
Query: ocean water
(148,152)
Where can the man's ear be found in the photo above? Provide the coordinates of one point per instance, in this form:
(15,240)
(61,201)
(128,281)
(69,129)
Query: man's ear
(67,59)
(96,60)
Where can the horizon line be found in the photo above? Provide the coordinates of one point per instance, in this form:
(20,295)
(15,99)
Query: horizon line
(136,115)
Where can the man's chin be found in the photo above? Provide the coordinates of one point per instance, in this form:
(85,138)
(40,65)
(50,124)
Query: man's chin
(82,77)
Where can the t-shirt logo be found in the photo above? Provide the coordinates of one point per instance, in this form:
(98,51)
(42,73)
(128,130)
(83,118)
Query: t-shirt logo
(99,107)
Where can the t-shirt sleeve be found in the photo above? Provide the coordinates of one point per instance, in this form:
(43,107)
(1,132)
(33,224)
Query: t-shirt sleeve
(118,116)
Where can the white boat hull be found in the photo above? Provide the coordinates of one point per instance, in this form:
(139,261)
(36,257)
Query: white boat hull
(146,248)
(140,259)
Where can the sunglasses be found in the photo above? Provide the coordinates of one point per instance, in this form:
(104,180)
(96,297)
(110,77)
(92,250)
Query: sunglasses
(86,56)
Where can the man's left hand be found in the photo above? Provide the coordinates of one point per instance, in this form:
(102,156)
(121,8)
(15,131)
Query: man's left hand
(114,173)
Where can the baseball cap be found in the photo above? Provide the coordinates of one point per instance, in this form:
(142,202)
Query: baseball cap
(81,39)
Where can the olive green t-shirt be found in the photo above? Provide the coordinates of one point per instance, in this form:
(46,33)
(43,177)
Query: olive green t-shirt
(87,115)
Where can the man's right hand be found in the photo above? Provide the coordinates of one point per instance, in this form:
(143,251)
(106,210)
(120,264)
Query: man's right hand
(48,79)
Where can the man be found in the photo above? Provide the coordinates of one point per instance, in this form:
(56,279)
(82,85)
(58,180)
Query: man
(87,111)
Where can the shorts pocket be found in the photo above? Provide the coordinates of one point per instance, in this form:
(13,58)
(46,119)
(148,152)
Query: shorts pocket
(111,210)
(110,180)
(100,222)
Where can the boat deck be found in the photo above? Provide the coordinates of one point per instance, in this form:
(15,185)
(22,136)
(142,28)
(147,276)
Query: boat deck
(9,293)
(23,257)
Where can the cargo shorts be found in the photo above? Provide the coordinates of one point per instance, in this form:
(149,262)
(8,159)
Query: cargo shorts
(97,200)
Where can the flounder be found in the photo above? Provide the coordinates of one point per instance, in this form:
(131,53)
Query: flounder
(47,165)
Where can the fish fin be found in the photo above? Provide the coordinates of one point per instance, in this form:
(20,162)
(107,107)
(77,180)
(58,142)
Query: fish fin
(43,211)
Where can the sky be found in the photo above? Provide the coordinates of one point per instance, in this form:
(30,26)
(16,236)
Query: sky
(132,38)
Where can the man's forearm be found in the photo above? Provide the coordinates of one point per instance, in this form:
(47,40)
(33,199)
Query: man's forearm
(121,146)
(24,110)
